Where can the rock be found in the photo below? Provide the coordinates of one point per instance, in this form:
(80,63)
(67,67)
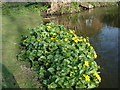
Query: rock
(55,6)
(86,5)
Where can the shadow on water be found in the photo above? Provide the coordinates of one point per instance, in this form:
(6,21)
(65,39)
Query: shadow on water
(8,79)
(111,17)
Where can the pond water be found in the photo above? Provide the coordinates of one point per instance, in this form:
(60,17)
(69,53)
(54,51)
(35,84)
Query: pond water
(101,26)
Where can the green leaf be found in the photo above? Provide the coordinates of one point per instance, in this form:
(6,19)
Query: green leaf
(52,85)
(91,85)
(39,53)
(51,70)
(49,56)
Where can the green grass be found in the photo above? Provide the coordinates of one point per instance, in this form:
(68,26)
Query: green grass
(16,73)
(10,8)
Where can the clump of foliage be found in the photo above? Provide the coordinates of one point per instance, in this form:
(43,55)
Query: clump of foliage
(99,4)
(62,59)
(70,8)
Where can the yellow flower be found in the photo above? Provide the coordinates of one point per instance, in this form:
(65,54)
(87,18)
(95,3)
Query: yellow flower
(91,47)
(95,55)
(57,40)
(72,31)
(76,40)
(88,44)
(86,63)
(67,33)
(53,38)
(80,40)
(54,34)
(73,38)
(38,40)
(84,40)
(48,27)
(97,75)
(75,35)
(25,40)
(87,78)
(65,48)
(66,39)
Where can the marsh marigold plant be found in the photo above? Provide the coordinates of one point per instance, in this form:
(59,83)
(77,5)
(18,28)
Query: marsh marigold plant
(61,58)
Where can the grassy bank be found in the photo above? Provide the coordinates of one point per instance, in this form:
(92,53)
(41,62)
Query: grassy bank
(102,4)
(44,8)
(75,7)
(17,8)
(15,21)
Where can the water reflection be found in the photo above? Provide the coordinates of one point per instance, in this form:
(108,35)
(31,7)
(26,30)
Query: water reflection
(111,17)
(101,25)
(84,24)
(106,43)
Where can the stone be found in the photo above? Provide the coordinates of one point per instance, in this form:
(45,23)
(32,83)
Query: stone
(86,5)
(55,6)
